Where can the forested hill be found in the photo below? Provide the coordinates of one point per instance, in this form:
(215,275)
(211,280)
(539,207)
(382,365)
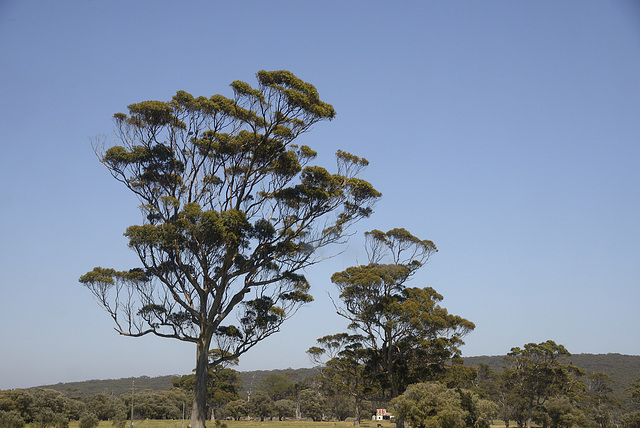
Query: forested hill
(117,387)
(623,369)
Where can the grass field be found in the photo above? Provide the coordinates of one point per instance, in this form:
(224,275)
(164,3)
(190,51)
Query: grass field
(250,424)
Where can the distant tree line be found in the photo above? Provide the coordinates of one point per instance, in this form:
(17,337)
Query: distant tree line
(537,386)
(49,408)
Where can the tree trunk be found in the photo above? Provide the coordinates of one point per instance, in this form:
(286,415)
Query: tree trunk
(395,391)
(530,415)
(199,411)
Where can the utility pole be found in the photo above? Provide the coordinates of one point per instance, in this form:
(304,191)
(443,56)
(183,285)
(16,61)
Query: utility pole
(133,392)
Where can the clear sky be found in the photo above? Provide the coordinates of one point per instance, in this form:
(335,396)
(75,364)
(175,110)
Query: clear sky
(506,132)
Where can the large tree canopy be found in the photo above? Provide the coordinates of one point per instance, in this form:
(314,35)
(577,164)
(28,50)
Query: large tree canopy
(232,214)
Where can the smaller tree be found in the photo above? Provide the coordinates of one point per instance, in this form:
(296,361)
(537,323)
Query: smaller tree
(237,409)
(430,405)
(261,405)
(284,408)
(88,420)
(408,336)
(458,375)
(19,401)
(278,386)
(47,418)
(600,404)
(632,420)
(120,420)
(104,406)
(50,408)
(312,404)
(539,372)
(479,412)
(343,374)
(561,412)
(11,419)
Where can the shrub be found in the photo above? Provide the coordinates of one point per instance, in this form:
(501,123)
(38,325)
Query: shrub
(11,419)
(89,420)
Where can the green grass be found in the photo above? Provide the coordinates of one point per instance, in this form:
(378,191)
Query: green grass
(250,424)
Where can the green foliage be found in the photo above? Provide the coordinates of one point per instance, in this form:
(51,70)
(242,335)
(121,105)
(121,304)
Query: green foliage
(430,405)
(284,408)
(561,412)
(405,335)
(11,419)
(88,420)
(19,401)
(278,386)
(260,405)
(537,373)
(599,403)
(458,375)
(104,406)
(312,405)
(343,378)
(156,404)
(237,409)
(45,417)
(120,420)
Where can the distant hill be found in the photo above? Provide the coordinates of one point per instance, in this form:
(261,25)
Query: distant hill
(115,387)
(250,380)
(623,369)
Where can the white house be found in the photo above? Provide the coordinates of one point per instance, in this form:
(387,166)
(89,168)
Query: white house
(382,415)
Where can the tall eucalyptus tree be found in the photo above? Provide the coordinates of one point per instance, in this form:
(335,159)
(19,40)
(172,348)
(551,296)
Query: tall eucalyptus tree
(232,214)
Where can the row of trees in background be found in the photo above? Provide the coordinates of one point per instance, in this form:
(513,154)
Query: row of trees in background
(538,386)
(49,408)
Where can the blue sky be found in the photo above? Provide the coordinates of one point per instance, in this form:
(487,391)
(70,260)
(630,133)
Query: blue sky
(505,132)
